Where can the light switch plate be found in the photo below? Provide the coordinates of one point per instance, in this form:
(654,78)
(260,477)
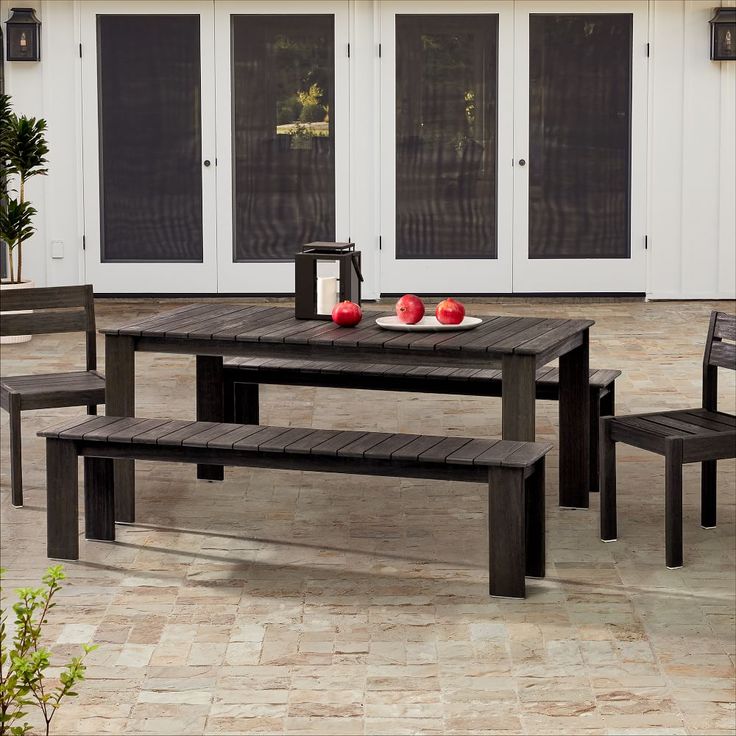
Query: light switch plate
(57,248)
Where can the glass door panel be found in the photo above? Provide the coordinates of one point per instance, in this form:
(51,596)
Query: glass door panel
(282,115)
(582,128)
(283,144)
(446,116)
(149,206)
(446,136)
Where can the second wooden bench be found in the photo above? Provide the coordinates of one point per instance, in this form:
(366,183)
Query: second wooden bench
(514,472)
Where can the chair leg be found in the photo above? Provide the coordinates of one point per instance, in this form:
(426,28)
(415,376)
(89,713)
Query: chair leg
(506,529)
(92,409)
(708,494)
(595,417)
(673,501)
(16,462)
(246,402)
(228,396)
(62,501)
(607,450)
(535,522)
(99,498)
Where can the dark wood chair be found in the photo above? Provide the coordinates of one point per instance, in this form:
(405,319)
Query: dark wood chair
(55,310)
(703,435)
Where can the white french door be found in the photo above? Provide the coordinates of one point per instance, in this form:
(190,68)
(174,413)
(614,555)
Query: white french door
(149,146)
(446,140)
(580,132)
(282,85)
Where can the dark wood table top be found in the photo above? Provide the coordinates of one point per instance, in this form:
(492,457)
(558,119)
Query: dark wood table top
(269,325)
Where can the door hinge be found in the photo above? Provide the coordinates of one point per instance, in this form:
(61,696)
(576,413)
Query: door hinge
(379,50)
(80,50)
(648,51)
(380,242)
(348,51)
(84,242)
(646,242)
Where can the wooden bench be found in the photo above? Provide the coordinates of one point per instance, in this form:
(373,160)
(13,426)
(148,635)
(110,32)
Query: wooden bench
(242,376)
(703,435)
(513,470)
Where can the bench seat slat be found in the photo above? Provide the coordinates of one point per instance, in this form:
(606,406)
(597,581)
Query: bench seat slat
(236,433)
(305,445)
(466,454)
(498,453)
(384,450)
(335,443)
(442,450)
(254,441)
(360,446)
(282,441)
(414,449)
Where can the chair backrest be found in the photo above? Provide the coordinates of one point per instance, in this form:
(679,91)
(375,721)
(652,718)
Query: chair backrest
(720,352)
(54,309)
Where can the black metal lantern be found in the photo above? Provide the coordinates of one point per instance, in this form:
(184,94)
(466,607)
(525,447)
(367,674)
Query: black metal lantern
(23,35)
(325,274)
(723,35)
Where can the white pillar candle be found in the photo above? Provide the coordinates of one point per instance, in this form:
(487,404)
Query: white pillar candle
(326,294)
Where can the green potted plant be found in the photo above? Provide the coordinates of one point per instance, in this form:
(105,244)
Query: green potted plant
(23,150)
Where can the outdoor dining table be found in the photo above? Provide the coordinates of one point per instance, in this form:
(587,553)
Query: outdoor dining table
(517,345)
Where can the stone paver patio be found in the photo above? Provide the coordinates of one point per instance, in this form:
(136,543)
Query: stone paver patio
(277,602)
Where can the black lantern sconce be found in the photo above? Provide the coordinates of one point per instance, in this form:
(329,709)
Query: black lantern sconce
(325,274)
(23,35)
(723,35)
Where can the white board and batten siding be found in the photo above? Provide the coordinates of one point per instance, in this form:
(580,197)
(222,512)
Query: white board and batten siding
(691,167)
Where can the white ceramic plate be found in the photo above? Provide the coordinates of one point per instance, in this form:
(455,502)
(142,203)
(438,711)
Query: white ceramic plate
(426,324)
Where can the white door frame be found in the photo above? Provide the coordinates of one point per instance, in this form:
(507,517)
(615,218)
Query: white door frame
(146,277)
(590,274)
(255,277)
(438,276)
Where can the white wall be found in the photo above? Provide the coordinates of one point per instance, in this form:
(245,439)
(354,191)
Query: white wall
(692,157)
(49,89)
(692,149)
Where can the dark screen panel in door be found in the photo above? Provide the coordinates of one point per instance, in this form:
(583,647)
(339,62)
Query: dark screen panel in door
(446,88)
(580,136)
(150,137)
(283,134)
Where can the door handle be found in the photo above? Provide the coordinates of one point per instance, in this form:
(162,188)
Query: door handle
(522,162)
(206,162)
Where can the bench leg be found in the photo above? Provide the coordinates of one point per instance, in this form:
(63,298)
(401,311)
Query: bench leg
(673,501)
(62,502)
(506,532)
(92,409)
(246,403)
(16,456)
(99,498)
(708,473)
(210,404)
(607,450)
(535,534)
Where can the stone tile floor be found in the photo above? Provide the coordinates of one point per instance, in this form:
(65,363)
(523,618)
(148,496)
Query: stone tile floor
(277,602)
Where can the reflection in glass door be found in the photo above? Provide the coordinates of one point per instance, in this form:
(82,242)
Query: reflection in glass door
(446,122)
(581,129)
(282,111)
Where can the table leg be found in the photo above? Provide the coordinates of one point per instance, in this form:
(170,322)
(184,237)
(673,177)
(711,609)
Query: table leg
(575,427)
(120,402)
(518,397)
(210,404)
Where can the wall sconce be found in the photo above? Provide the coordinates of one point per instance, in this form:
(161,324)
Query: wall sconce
(325,273)
(23,35)
(723,35)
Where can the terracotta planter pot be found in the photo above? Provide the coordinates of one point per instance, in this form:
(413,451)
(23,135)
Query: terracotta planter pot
(7,286)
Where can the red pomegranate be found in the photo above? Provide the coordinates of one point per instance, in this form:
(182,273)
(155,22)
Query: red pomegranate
(450,312)
(409,309)
(346,314)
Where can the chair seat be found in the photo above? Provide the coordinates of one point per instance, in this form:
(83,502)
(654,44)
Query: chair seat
(49,390)
(705,435)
